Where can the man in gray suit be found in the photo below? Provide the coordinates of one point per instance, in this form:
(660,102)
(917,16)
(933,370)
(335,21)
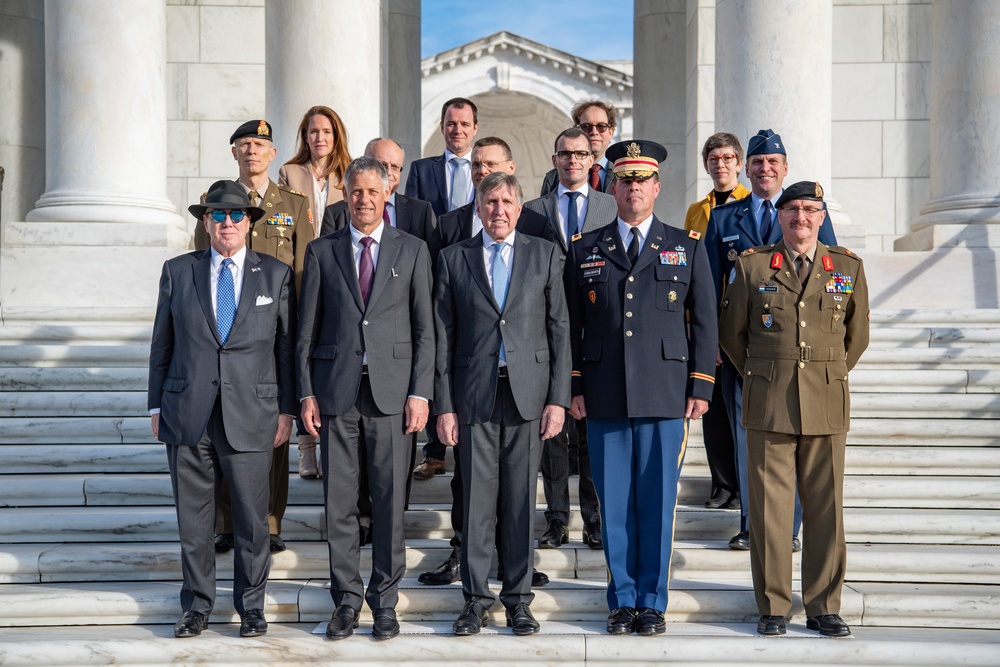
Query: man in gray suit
(222,397)
(365,360)
(571,208)
(501,384)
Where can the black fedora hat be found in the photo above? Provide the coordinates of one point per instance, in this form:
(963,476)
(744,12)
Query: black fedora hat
(226,195)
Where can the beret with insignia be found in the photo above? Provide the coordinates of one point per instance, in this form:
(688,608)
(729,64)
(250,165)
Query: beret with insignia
(809,190)
(252,128)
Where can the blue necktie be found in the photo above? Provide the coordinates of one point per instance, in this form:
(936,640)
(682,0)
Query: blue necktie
(459,184)
(572,217)
(225,300)
(500,282)
(766,221)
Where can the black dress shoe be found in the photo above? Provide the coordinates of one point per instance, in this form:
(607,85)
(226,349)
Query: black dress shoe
(650,622)
(386,626)
(733,503)
(718,499)
(446,573)
(592,536)
(252,623)
(224,542)
(796,544)
(537,578)
(740,541)
(621,621)
(771,625)
(519,618)
(343,622)
(555,535)
(191,624)
(830,625)
(277,544)
(471,620)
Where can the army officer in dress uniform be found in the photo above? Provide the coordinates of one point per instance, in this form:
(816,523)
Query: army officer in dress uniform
(794,323)
(283,232)
(638,376)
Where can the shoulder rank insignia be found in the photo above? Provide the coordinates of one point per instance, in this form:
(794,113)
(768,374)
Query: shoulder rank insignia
(748,251)
(776,260)
(694,235)
(827,263)
(576,237)
(295,192)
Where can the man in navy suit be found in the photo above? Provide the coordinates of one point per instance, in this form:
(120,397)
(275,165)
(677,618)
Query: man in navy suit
(221,396)
(733,228)
(446,180)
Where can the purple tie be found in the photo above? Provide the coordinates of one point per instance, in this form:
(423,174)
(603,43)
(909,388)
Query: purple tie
(366,268)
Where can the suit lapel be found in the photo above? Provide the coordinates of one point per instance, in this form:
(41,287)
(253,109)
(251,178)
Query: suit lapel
(202,270)
(474,259)
(786,274)
(593,219)
(402,215)
(343,253)
(651,246)
(441,176)
(387,252)
(551,204)
(610,246)
(815,284)
(521,249)
(466,222)
(248,292)
(746,222)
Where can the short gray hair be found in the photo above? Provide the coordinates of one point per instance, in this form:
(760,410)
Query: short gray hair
(365,164)
(496,181)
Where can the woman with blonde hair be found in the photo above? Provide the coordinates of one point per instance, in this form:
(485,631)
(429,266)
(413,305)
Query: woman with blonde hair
(321,157)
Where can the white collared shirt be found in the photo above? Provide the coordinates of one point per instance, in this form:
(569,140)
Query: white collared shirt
(562,201)
(477,224)
(239,259)
(642,228)
(320,193)
(449,170)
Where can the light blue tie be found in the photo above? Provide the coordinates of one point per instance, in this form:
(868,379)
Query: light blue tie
(500,283)
(225,300)
(459,184)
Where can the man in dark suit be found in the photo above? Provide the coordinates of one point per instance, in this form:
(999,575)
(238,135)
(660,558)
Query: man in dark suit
(640,372)
(365,360)
(733,228)
(490,154)
(221,395)
(446,180)
(598,120)
(795,322)
(571,209)
(501,382)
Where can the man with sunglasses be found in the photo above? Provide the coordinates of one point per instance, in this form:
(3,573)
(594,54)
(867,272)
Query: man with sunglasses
(597,119)
(282,232)
(572,209)
(222,397)
(795,322)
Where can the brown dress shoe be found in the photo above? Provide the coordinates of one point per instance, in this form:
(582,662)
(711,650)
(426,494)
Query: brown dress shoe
(308,465)
(428,468)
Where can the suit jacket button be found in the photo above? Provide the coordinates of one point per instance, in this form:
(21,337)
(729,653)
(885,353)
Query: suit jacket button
(802,323)
(503,321)
(628,314)
(628,334)
(365,322)
(631,279)
(215,383)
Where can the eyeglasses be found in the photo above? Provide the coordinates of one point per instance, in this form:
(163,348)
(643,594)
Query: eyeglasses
(724,159)
(219,215)
(579,155)
(392,168)
(808,210)
(600,127)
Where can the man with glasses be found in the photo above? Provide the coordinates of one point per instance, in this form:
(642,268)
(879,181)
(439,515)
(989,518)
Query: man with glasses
(222,398)
(795,322)
(282,232)
(733,228)
(572,209)
(597,119)
(446,180)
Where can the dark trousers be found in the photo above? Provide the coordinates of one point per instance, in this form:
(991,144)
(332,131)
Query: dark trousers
(386,457)
(499,461)
(556,472)
(719,447)
(196,476)
(277,499)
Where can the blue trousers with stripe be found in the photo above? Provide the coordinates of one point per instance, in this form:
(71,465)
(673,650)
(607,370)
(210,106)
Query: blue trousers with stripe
(636,464)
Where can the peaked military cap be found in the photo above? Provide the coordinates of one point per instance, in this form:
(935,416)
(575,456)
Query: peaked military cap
(637,158)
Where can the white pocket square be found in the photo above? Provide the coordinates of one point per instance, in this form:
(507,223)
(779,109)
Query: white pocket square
(263,300)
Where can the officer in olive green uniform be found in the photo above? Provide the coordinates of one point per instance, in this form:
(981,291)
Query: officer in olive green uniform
(794,322)
(283,232)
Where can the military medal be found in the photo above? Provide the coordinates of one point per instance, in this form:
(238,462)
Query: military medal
(281,220)
(672,296)
(674,257)
(732,255)
(840,284)
(776,260)
(590,265)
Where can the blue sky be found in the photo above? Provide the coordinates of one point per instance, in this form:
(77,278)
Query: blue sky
(586,28)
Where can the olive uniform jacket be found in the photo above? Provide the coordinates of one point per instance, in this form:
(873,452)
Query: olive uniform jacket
(795,346)
(283,233)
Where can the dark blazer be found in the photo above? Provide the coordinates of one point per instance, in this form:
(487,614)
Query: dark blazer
(551,180)
(633,355)
(336,329)
(428,180)
(469,324)
(413,216)
(601,209)
(456,226)
(732,228)
(188,364)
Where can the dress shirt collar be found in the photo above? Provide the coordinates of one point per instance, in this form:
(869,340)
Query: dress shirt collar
(488,240)
(356,235)
(757,202)
(583,190)
(238,259)
(643,227)
(448,155)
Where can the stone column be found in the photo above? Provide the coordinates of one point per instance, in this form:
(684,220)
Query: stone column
(106,114)
(323,52)
(774,69)
(658,101)
(964,97)
(402,75)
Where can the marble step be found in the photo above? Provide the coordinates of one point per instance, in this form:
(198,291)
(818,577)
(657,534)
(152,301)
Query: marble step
(724,601)
(77,490)
(709,560)
(304,522)
(935,336)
